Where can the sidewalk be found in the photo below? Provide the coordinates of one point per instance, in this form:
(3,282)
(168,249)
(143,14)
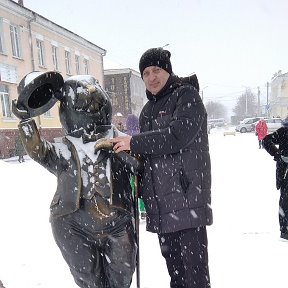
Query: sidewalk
(15,160)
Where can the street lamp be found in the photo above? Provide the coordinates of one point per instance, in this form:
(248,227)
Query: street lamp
(246,100)
(202,94)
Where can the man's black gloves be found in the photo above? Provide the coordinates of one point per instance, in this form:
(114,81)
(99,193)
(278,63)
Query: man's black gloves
(281,158)
(20,112)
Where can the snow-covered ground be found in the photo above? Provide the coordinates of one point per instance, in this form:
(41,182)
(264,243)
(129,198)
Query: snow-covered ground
(244,245)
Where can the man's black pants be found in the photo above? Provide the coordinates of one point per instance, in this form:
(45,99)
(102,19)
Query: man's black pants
(186,256)
(283,209)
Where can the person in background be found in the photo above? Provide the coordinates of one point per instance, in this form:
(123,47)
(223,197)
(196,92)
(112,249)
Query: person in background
(132,125)
(276,144)
(19,149)
(1,284)
(261,131)
(176,182)
(120,126)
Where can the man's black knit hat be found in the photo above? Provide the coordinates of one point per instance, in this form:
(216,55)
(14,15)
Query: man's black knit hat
(155,57)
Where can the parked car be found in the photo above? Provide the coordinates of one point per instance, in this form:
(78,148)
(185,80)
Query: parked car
(272,123)
(248,124)
(219,122)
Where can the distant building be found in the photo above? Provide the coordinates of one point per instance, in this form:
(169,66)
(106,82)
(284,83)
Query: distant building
(127,92)
(29,42)
(278,100)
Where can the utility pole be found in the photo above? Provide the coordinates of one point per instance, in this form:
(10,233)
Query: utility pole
(267,100)
(258,103)
(246,106)
(202,93)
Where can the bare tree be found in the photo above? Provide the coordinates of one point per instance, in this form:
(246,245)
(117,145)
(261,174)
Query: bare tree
(246,105)
(215,110)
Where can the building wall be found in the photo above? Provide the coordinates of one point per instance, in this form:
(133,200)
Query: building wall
(127,93)
(279,95)
(34,28)
(138,93)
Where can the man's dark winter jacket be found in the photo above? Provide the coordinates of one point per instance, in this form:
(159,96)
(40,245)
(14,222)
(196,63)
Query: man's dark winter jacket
(279,137)
(176,183)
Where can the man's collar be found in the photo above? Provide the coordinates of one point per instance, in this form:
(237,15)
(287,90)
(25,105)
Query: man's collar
(163,91)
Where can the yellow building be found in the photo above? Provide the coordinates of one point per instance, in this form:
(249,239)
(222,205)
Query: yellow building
(30,42)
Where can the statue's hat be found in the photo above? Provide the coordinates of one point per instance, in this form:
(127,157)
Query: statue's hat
(39,91)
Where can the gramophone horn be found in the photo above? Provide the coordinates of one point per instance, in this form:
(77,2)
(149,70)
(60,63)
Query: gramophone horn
(39,91)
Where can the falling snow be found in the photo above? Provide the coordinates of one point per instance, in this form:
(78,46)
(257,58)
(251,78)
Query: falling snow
(244,245)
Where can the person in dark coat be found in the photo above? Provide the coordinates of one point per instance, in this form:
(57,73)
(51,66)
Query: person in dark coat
(176,182)
(132,125)
(276,144)
(92,209)
(1,284)
(19,149)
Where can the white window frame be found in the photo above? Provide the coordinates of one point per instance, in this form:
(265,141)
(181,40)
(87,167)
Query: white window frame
(41,52)
(2,46)
(15,40)
(86,66)
(5,101)
(77,63)
(55,57)
(68,62)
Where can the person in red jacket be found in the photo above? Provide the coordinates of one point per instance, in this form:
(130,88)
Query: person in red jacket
(261,131)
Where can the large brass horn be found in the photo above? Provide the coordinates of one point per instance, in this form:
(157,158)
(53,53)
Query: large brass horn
(39,91)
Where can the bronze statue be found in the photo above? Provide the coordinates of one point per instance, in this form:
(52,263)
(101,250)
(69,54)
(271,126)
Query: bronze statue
(92,210)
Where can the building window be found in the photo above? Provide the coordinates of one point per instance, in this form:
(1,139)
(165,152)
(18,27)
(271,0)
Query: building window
(55,58)
(5,101)
(1,37)
(41,52)
(68,62)
(86,66)
(15,41)
(112,93)
(126,96)
(77,64)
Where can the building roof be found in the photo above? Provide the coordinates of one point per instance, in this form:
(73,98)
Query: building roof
(13,6)
(121,71)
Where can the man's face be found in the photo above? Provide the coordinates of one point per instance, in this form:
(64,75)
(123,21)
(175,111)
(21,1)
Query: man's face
(155,78)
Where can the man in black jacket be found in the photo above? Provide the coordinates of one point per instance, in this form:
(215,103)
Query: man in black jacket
(280,154)
(176,181)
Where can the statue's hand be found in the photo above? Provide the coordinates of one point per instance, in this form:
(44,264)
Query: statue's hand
(103,144)
(20,112)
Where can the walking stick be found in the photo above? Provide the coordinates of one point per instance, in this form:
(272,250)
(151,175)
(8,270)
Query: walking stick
(136,212)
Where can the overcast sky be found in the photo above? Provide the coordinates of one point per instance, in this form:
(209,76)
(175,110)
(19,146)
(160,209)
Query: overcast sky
(229,44)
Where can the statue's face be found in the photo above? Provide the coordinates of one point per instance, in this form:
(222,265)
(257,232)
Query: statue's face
(84,105)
